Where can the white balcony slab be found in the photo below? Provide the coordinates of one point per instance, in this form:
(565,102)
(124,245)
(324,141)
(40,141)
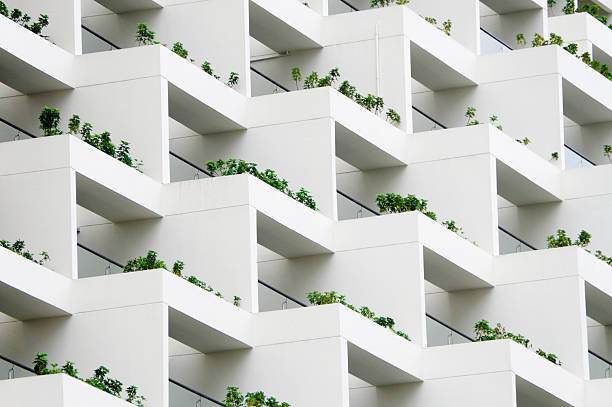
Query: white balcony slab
(284,26)
(513,6)
(58,390)
(104,185)
(125,6)
(451,262)
(30,291)
(31,64)
(375,353)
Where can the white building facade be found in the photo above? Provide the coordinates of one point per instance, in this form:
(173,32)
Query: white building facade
(507,140)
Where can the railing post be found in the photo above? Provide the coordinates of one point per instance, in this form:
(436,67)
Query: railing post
(11,373)
(449,339)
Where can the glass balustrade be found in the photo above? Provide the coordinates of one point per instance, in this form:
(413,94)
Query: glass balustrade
(261,84)
(92,264)
(573,159)
(349,208)
(10,370)
(271,299)
(182,169)
(438,334)
(340,6)
(508,243)
(10,132)
(93,42)
(599,368)
(491,45)
(422,122)
(183,396)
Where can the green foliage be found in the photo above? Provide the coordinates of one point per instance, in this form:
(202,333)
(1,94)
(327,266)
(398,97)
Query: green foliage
(552,3)
(19,248)
(178,49)
(24,19)
(99,380)
(49,121)
(207,67)
(570,7)
(563,240)
(485,333)
(554,156)
(234,398)
(607,151)
(149,262)
(144,36)
(470,115)
(370,102)
(394,203)
(447,26)
(234,167)
(233,79)
(524,141)
(332,297)
(385,3)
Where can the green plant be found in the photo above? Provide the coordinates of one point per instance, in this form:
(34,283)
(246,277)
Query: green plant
(296,76)
(607,151)
(23,19)
(551,3)
(19,248)
(234,398)
(149,262)
(49,121)
(99,380)
(554,156)
(446,27)
(332,297)
(563,240)
(394,203)
(179,50)
(206,67)
(385,3)
(233,79)
(237,300)
(485,333)
(524,141)
(393,116)
(570,7)
(144,36)
(234,167)
(470,115)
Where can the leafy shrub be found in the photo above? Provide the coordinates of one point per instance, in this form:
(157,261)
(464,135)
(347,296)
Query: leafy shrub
(234,166)
(332,297)
(394,203)
(24,19)
(485,333)
(144,36)
(234,398)
(583,240)
(19,248)
(370,102)
(554,155)
(385,3)
(49,123)
(99,380)
(607,151)
(470,114)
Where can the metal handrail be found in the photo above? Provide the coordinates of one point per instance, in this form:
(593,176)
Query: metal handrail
(266,77)
(99,36)
(281,293)
(357,202)
(191,164)
(428,117)
(92,251)
(349,5)
(495,38)
(450,327)
(517,238)
(600,358)
(19,129)
(579,155)
(189,389)
(12,362)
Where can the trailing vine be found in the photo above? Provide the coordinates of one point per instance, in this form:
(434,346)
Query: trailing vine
(23,19)
(151,262)
(234,166)
(394,203)
(234,398)
(145,36)
(370,102)
(485,333)
(332,297)
(99,380)
(49,124)
(19,248)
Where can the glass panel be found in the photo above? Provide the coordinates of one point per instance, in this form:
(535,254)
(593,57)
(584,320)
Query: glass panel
(91,265)
(421,122)
(10,371)
(91,43)
(181,397)
(439,335)
(348,209)
(339,7)
(270,300)
(599,368)
(8,133)
(181,171)
(509,244)
(261,86)
(490,44)
(575,160)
